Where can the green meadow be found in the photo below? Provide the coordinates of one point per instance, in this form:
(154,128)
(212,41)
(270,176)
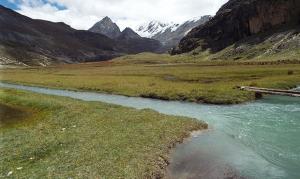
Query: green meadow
(55,137)
(165,77)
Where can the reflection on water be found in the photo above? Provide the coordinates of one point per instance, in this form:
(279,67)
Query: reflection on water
(254,140)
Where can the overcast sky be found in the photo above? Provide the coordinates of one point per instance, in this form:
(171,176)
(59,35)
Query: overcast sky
(82,14)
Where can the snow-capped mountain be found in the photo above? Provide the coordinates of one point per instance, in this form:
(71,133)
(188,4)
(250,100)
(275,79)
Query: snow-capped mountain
(155,27)
(170,34)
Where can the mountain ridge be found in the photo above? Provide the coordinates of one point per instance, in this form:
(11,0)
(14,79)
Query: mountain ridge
(39,42)
(128,37)
(30,42)
(154,27)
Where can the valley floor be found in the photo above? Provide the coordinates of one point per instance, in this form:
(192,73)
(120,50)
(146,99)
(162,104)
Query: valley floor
(59,137)
(165,77)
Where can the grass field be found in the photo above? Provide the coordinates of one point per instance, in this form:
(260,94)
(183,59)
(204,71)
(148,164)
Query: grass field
(59,137)
(165,77)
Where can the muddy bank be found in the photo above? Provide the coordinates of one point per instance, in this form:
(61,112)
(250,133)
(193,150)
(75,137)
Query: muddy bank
(11,115)
(163,162)
(190,162)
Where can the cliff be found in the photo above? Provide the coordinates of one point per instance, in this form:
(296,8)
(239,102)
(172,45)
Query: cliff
(239,19)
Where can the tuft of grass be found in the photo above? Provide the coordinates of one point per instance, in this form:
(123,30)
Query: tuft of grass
(66,138)
(290,72)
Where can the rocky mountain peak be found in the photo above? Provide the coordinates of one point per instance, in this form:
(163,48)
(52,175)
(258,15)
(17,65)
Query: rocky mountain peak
(106,27)
(107,20)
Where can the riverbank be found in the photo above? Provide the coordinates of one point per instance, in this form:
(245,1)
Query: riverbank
(203,82)
(63,137)
(239,143)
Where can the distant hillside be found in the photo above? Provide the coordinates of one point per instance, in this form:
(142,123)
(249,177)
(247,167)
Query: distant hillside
(129,40)
(170,34)
(253,27)
(36,42)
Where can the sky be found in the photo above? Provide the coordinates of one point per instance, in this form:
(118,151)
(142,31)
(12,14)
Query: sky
(82,14)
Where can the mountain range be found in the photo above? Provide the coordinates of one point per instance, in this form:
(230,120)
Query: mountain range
(170,34)
(38,42)
(130,39)
(29,41)
(239,30)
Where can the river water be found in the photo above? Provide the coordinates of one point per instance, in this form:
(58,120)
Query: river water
(255,140)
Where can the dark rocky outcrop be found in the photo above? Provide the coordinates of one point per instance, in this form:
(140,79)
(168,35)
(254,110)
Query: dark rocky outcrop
(239,19)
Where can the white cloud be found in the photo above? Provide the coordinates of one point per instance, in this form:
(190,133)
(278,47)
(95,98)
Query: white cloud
(82,14)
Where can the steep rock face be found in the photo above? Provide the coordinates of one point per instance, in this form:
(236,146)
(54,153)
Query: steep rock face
(239,19)
(106,27)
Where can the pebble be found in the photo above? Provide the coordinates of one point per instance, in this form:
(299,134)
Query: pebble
(9,173)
